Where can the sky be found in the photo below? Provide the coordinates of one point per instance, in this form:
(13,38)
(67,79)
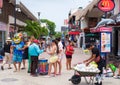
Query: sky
(54,10)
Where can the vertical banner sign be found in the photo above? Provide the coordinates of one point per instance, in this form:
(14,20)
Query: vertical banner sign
(105,42)
(1,4)
(106,5)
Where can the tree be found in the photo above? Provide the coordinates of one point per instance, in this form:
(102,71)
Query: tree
(34,28)
(58,34)
(44,31)
(50,25)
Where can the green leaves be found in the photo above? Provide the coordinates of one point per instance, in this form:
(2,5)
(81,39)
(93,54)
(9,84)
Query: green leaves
(34,28)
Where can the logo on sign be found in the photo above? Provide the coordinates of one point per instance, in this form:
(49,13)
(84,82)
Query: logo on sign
(106,5)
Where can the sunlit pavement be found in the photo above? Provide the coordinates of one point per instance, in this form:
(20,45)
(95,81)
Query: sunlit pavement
(8,77)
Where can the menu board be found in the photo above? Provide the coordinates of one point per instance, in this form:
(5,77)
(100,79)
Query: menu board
(106,42)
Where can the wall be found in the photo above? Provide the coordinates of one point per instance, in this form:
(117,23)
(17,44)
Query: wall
(84,23)
(117,7)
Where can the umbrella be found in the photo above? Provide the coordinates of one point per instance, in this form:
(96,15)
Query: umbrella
(103,22)
(74,32)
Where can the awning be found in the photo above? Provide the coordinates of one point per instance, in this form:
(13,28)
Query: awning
(74,33)
(101,29)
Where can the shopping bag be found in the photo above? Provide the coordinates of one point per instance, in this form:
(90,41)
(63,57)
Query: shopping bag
(53,59)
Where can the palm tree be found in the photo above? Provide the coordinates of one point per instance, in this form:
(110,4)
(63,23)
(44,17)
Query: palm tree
(33,28)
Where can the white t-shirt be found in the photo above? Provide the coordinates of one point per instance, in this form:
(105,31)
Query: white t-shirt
(60,45)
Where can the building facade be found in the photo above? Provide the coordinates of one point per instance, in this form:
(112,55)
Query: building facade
(12,19)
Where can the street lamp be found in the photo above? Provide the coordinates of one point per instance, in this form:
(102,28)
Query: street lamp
(15,16)
(39,17)
(16,8)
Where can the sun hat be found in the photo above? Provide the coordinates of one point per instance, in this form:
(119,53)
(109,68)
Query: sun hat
(35,41)
(8,39)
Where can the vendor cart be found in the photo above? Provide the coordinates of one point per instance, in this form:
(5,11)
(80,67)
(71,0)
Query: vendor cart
(88,76)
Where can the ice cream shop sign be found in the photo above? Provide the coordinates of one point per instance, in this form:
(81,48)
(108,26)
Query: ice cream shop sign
(106,5)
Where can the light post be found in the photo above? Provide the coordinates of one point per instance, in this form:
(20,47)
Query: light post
(39,17)
(15,17)
(16,9)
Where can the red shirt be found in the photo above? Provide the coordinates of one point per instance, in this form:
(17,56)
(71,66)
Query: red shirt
(69,50)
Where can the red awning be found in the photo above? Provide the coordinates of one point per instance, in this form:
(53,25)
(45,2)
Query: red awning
(74,32)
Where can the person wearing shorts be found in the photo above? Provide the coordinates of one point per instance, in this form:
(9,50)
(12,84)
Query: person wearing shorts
(17,55)
(7,57)
(69,52)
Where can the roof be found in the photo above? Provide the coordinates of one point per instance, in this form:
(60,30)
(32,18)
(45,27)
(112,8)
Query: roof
(82,13)
(24,9)
(88,8)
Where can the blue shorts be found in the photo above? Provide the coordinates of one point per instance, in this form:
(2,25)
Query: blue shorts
(17,58)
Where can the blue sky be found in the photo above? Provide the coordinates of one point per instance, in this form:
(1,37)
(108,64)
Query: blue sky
(54,10)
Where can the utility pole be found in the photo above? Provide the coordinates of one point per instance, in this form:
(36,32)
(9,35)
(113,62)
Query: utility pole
(39,17)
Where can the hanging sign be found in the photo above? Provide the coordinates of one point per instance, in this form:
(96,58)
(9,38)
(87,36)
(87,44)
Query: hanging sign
(105,42)
(1,4)
(106,5)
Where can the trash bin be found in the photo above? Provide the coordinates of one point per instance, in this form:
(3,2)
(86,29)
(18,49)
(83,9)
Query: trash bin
(43,66)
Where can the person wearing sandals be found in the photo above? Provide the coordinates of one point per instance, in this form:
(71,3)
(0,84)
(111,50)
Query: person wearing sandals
(60,55)
(25,54)
(69,52)
(53,52)
(7,50)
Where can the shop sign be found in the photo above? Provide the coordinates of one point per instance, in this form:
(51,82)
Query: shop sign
(106,5)
(105,29)
(2,26)
(1,4)
(101,29)
(106,42)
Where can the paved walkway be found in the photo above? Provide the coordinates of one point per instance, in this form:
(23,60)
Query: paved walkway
(8,77)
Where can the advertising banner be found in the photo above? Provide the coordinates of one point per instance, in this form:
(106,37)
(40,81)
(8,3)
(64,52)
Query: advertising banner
(106,42)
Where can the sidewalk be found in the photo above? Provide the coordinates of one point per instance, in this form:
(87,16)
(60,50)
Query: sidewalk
(8,77)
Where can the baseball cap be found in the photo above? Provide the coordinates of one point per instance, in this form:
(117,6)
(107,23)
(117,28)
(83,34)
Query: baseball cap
(35,41)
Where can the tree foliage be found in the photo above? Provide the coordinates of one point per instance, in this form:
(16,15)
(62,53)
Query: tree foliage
(58,34)
(34,28)
(50,25)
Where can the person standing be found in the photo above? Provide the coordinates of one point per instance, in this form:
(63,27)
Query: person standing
(25,54)
(69,52)
(60,55)
(53,52)
(17,55)
(29,58)
(8,52)
(34,52)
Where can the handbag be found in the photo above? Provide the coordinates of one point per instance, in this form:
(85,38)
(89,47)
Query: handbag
(53,58)
(97,59)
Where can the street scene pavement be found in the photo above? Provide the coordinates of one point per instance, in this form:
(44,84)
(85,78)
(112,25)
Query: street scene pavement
(8,77)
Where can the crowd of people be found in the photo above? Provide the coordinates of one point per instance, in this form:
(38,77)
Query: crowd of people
(31,48)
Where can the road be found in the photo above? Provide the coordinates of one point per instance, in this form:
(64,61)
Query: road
(8,77)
